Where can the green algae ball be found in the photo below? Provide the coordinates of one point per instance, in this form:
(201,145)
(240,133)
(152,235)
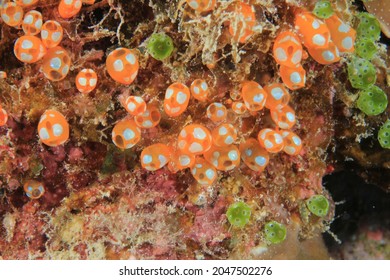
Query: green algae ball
(238,214)
(365,48)
(323,9)
(160,46)
(275,232)
(384,135)
(318,205)
(361,73)
(369,27)
(372,101)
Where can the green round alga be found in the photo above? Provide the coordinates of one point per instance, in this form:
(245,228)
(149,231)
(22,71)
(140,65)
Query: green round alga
(384,135)
(318,205)
(275,232)
(160,46)
(238,214)
(365,48)
(361,73)
(369,27)
(323,9)
(372,101)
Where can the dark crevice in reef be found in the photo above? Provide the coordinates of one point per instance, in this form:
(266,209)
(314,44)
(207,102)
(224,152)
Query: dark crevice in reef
(360,207)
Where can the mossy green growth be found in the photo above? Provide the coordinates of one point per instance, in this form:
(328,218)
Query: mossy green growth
(115,158)
(323,9)
(238,214)
(160,46)
(275,232)
(384,135)
(318,205)
(361,73)
(369,27)
(372,101)
(365,48)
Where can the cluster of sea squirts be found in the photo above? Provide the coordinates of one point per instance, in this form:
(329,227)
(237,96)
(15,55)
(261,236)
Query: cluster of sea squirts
(41,42)
(205,151)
